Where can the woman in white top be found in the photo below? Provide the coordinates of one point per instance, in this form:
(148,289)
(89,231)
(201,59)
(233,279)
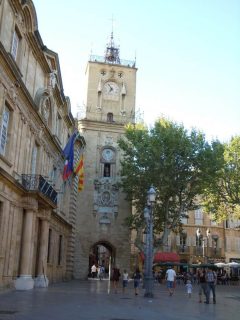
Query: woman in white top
(125,280)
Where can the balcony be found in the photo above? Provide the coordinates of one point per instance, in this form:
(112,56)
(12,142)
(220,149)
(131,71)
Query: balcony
(207,252)
(38,183)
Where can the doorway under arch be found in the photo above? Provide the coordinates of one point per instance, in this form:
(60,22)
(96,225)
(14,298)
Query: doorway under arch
(102,253)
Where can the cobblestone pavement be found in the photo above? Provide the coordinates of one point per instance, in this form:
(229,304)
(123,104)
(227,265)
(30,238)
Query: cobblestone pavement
(96,300)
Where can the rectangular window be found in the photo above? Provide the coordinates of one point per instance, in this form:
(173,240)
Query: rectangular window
(213,223)
(53,176)
(184,220)
(34,159)
(15,45)
(59,127)
(60,250)
(107,170)
(49,245)
(198,217)
(4,130)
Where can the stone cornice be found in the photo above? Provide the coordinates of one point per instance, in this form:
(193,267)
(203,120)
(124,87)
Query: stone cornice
(101,126)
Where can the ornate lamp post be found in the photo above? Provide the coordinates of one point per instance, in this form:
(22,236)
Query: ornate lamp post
(208,233)
(148,215)
(199,235)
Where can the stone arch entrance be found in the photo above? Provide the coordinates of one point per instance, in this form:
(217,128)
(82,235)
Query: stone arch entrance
(102,253)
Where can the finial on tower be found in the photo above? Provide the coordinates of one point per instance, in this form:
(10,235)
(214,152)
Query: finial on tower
(112,51)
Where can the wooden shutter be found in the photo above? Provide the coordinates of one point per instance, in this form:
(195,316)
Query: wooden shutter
(4,130)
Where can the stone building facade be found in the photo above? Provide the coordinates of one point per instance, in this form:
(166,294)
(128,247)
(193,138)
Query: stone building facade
(102,238)
(37,211)
(202,240)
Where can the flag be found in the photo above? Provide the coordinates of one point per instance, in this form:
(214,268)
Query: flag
(68,152)
(81,180)
(79,165)
(80,172)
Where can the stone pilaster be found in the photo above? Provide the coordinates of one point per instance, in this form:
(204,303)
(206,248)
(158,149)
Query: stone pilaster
(25,281)
(42,281)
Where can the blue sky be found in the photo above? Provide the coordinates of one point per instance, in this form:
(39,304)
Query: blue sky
(187,54)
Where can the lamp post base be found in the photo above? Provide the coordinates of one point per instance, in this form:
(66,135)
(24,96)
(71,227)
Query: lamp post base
(148,287)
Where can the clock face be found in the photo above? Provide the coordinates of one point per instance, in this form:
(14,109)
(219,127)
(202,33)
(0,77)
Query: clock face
(107,154)
(111,90)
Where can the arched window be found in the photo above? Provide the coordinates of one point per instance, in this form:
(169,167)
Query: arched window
(110,117)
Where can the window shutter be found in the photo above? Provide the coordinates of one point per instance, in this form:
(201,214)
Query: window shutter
(34,159)
(169,240)
(4,130)
(15,44)
(189,241)
(219,243)
(210,242)
(177,240)
(194,241)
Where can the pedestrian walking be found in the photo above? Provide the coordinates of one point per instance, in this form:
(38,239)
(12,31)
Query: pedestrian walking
(124,280)
(101,270)
(116,276)
(171,280)
(189,288)
(211,279)
(136,280)
(202,285)
(93,271)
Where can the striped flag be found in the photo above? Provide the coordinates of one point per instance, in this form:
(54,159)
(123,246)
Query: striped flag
(79,165)
(79,170)
(81,181)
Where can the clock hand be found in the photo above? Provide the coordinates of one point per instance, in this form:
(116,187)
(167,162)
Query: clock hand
(110,87)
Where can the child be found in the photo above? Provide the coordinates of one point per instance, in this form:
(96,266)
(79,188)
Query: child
(189,288)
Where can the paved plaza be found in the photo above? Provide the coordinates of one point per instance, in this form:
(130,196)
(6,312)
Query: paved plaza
(96,300)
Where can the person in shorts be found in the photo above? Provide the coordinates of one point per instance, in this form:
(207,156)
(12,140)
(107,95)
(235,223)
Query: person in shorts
(171,280)
(124,280)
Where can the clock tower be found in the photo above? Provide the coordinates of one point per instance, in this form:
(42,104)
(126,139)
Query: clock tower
(101,236)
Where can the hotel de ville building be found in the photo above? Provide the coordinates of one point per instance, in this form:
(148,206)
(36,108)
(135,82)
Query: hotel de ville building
(49,231)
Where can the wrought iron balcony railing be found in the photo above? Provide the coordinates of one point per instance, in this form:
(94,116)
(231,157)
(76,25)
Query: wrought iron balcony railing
(32,182)
(207,252)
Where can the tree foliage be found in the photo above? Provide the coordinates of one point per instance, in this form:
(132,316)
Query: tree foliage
(179,164)
(222,197)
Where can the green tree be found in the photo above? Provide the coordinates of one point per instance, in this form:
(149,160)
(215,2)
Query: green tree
(178,163)
(222,197)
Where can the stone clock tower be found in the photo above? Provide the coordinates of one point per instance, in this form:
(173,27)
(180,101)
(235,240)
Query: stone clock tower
(101,236)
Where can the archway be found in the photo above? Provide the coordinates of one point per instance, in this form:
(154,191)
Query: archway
(102,253)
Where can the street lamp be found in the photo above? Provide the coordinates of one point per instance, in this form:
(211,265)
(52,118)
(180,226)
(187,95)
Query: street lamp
(199,235)
(148,215)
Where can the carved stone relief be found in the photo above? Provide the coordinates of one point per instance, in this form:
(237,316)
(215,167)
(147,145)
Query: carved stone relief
(109,140)
(105,200)
(52,81)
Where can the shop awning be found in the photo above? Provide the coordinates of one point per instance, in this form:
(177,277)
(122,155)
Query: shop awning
(164,257)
